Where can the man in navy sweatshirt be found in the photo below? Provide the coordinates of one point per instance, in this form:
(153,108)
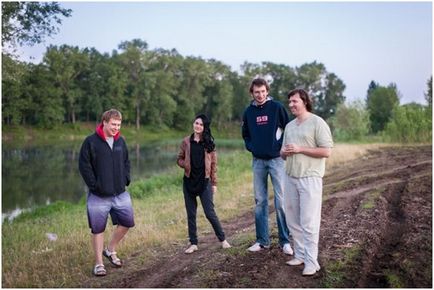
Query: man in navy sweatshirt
(263,123)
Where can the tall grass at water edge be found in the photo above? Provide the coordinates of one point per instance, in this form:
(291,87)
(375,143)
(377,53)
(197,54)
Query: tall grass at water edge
(29,259)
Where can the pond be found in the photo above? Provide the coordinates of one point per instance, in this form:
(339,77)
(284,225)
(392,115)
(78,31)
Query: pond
(40,175)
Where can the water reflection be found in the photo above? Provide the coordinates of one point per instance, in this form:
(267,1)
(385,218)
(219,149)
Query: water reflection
(40,175)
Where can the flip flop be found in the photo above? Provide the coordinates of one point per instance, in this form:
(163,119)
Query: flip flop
(109,255)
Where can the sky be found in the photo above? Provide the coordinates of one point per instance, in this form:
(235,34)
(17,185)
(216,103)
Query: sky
(388,42)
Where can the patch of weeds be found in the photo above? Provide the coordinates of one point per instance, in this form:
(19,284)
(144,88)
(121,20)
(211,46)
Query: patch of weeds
(371,198)
(243,281)
(207,277)
(240,243)
(336,272)
(334,275)
(236,251)
(336,187)
(393,279)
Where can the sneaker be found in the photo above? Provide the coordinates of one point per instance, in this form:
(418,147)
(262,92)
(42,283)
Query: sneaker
(310,270)
(191,249)
(295,262)
(225,245)
(257,247)
(287,249)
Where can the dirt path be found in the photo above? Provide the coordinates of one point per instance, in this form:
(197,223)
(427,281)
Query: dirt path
(376,231)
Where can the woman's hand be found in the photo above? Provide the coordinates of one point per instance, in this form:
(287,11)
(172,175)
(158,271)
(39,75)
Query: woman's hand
(214,189)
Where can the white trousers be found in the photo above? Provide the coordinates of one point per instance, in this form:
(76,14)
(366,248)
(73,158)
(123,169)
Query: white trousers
(302,199)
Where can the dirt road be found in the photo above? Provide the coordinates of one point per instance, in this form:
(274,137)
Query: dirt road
(376,231)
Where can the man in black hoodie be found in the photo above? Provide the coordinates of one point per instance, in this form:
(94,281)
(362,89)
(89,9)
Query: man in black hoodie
(263,123)
(105,168)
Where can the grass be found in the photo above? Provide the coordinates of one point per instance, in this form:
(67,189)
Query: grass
(335,272)
(29,259)
(343,152)
(371,198)
(393,279)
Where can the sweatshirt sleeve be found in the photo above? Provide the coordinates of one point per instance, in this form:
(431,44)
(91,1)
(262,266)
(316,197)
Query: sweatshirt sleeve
(85,165)
(127,165)
(283,121)
(246,133)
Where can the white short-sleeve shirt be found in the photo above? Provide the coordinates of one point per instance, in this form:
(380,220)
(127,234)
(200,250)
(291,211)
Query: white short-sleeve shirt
(312,132)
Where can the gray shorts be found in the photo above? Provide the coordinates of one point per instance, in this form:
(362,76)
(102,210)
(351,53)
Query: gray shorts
(119,207)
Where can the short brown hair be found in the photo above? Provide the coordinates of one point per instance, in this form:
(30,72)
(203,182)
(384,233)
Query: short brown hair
(259,82)
(111,114)
(304,96)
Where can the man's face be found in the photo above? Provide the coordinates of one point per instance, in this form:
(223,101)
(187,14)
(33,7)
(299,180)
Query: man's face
(296,105)
(112,127)
(260,94)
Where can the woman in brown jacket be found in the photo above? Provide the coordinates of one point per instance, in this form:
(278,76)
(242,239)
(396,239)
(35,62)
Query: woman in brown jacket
(198,157)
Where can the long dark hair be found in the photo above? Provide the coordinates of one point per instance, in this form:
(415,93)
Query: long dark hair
(208,139)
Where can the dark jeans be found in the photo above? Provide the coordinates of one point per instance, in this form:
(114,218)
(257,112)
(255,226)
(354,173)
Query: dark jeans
(206,198)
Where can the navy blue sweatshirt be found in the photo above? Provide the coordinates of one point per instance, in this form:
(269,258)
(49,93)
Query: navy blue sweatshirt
(105,171)
(260,124)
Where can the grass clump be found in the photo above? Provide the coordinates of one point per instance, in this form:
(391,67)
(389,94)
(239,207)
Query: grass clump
(335,272)
(371,198)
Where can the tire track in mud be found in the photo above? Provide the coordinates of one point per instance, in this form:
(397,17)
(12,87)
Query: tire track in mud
(380,235)
(378,206)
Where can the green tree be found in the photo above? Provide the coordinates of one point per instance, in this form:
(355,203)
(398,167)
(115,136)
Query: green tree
(283,79)
(325,88)
(330,96)
(27,23)
(351,121)
(13,102)
(194,75)
(380,102)
(372,86)
(410,123)
(241,96)
(162,105)
(140,80)
(428,94)
(47,108)
(66,63)
(218,93)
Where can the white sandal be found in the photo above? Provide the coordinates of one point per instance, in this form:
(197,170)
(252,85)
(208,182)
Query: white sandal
(99,270)
(114,260)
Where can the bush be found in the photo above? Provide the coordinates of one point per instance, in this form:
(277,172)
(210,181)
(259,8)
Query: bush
(351,122)
(410,123)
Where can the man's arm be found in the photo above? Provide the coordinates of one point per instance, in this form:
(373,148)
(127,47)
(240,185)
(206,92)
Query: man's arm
(127,165)
(85,166)
(316,152)
(246,134)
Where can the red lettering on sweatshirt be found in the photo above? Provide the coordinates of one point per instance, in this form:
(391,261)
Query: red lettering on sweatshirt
(262,120)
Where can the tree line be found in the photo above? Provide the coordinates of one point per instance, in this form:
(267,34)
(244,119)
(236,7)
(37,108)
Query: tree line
(158,87)
(162,88)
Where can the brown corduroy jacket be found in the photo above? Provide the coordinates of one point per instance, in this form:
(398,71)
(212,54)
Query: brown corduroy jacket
(183,161)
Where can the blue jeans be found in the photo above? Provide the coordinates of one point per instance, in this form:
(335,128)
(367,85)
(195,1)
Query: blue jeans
(261,169)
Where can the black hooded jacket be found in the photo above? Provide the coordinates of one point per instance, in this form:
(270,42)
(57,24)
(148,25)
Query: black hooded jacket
(106,172)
